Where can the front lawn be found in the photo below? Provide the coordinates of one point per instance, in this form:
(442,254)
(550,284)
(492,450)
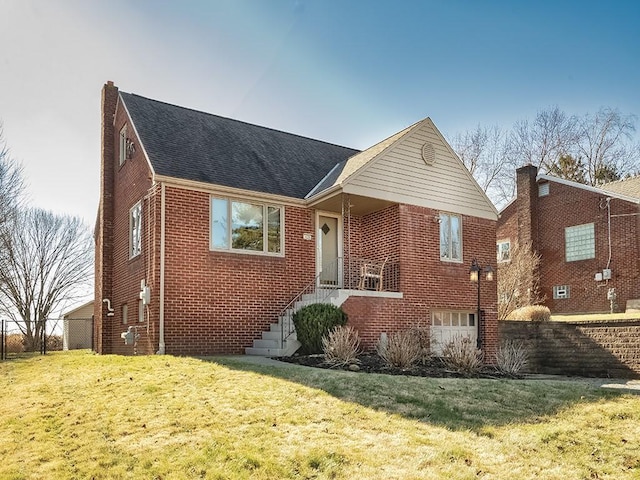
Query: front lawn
(75,415)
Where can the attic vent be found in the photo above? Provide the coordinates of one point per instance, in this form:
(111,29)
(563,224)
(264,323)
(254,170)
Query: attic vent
(428,153)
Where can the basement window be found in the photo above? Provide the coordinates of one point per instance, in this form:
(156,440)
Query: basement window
(561,292)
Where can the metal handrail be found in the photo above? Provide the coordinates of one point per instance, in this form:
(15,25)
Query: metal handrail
(321,292)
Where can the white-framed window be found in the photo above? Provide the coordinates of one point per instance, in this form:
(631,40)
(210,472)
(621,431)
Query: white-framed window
(122,152)
(125,314)
(454,319)
(247,226)
(543,189)
(561,291)
(135,230)
(503,250)
(140,310)
(447,325)
(580,242)
(450,237)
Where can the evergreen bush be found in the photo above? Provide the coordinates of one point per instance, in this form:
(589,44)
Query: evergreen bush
(314,322)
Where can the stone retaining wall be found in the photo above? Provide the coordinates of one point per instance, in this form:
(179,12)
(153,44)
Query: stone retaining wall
(587,348)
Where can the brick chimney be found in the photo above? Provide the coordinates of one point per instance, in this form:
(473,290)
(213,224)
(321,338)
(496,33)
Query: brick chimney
(527,205)
(104,224)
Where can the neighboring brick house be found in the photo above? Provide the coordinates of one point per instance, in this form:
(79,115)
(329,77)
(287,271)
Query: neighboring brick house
(222,224)
(587,238)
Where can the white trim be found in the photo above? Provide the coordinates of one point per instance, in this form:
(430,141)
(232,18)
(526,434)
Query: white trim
(135,130)
(161,344)
(265,227)
(224,191)
(340,240)
(588,188)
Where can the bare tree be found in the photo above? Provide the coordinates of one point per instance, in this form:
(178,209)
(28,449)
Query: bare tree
(541,142)
(485,153)
(48,259)
(605,145)
(518,281)
(11,183)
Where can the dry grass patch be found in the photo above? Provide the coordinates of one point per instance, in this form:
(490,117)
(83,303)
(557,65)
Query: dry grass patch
(77,415)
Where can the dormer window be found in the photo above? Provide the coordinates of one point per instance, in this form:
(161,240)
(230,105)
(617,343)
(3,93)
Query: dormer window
(123,145)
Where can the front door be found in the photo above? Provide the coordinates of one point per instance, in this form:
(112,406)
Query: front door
(328,249)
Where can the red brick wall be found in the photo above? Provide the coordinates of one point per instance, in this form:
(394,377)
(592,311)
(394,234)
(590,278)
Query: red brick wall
(567,206)
(132,183)
(219,302)
(427,283)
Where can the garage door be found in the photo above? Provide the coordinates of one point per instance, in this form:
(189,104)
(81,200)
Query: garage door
(446,326)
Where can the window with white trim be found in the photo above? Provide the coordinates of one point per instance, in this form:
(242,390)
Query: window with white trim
(503,250)
(561,291)
(450,238)
(123,145)
(247,226)
(543,189)
(135,230)
(580,242)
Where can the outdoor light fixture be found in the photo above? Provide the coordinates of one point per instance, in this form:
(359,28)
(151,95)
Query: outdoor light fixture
(475,275)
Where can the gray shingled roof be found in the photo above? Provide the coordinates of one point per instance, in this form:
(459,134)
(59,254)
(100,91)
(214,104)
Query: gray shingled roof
(187,144)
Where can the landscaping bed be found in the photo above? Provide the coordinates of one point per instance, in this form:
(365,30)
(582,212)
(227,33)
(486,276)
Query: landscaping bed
(372,363)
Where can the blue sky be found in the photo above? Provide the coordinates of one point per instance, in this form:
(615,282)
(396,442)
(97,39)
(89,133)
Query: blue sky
(348,72)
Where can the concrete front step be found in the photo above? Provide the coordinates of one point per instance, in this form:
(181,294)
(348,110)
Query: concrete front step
(289,348)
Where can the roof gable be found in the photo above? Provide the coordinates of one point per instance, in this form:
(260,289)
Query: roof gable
(396,170)
(201,147)
(599,190)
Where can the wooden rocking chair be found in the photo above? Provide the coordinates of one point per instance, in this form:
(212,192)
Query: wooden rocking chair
(372,272)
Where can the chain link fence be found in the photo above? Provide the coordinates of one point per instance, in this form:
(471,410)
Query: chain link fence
(50,335)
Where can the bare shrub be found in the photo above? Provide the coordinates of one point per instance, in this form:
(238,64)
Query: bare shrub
(511,357)
(531,313)
(341,346)
(401,349)
(15,343)
(422,332)
(519,280)
(462,356)
(54,343)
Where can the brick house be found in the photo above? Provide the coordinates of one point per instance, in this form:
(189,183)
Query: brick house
(587,238)
(210,231)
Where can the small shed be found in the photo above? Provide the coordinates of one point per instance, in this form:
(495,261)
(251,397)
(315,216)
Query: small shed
(78,328)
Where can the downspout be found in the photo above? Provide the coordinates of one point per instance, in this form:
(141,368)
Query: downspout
(161,345)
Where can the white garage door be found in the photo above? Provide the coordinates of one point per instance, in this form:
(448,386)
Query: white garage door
(445,326)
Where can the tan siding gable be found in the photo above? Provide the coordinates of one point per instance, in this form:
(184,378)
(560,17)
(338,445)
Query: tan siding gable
(400,174)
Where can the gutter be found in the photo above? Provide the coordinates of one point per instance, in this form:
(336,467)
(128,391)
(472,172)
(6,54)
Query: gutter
(161,344)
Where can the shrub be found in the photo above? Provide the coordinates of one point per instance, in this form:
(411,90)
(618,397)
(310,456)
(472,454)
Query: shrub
(54,343)
(314,322)
(15,343)
(511,358)
(401,349)
(341,346)
(531,313)
(462,356)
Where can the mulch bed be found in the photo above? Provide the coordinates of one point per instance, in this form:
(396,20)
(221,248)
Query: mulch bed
(371,363)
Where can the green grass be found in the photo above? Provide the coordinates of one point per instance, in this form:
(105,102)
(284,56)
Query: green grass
(76,415)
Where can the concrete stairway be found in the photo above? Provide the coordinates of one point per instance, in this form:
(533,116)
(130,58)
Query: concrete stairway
(271,345)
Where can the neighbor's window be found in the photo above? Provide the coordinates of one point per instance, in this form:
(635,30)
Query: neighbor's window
(543,189)
(450,238)
(560,292)
(123,145)
(135,230)
(125,313)
(246,226)
(579,242)
(503,249)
